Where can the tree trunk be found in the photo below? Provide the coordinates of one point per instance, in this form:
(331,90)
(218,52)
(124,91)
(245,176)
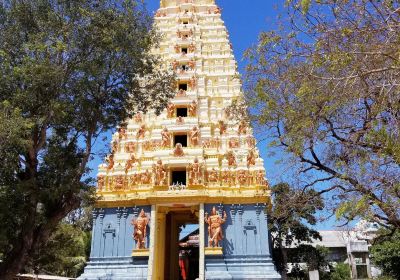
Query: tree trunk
(284,263)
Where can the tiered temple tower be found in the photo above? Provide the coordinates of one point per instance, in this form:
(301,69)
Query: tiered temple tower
(193,164)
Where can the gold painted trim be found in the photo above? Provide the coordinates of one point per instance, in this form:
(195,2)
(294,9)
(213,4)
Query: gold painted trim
(213,251)
(140,253)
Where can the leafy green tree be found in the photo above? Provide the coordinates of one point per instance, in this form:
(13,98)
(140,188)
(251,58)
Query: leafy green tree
(291,210)
(326,88)
(386,254)
(341,272)
(69,70)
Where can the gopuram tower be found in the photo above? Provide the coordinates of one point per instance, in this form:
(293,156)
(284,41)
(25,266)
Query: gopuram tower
(192,165)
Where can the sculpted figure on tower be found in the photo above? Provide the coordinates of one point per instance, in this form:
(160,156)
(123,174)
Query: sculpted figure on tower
(195,172)
(215,222)
(195,136)
(166,138)
(160,174)
(140,230)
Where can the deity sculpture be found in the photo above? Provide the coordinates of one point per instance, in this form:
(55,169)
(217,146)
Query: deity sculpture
(119,182)
(160,174)
(122,133)
(140,230)
(166,138)
(180,120)
(231,158)
(193,109)
(100,183)
(192,48)
(251,141)
(195,172)
(260,178)
(110,161)
(192,64)
(175,65)
(178,151)
(181,93)
(145,177)
(170,110)
(130,147)
(193,83)
(242,127)
(130,162)
(243,177)
(195,136)
(215,222)
(217,10)
(141,132)
(177,48)
(114,147)
(222,127)
(251,158)
(212,175)
(233,143)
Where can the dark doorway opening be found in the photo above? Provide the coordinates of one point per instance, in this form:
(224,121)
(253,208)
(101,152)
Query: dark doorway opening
(182,112)
(183,86)
(184,50)
(182,139)
(182,250)
(178,177)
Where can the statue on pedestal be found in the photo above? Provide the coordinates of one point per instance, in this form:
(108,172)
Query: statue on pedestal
(140,230)
(195,136)
(193,109)
(195,172)
(160,174)
(178,151)
(166,138)
(215,222)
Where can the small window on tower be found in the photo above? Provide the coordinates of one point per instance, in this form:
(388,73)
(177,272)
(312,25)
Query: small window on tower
(183,86)
(178,177)
(185,22)
(182,112)
(181,139)
(185,50)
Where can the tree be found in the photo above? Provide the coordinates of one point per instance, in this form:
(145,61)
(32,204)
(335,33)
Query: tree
(326,88)
(341,272)
(291,210)
(70,70)
(386,253)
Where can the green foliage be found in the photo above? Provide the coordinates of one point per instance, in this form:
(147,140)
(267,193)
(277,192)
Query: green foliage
(70,70)
(325,86)
(385,254)
(341,272)
(291,210)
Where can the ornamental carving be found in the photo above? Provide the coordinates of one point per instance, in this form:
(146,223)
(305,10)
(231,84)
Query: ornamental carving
(130,147)
(145,178)
(119,183)
(140,230)
(243,177)
(130,162)
(212,175)
(100,183)
(181,93)
(231,158)
(251,142)
(141,132)
(180,120)
(260,178)
(194,136)
(122,134)
(177,49)
(193,109)
(160,174)
(192,48)
(138,118)
(110,161)
(165,138)
(242,127)
(193,83)
(215,222)
(222,127)
(195,172)
(170,110)
(233,143)
(178,151)
(251,158)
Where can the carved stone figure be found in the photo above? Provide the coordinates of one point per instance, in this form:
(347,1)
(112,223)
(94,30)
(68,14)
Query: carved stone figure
(160,174)
(193,83)
(192,64)
(212,175)
(233,143)
(178,151)
(140,230)
(242,127)
(243,177)
(130,147)
(192,48)
(193,109)
(141,132)
(166,138)
(114,147)
(195,172)
(260,178)
(175,65)
(130,162)
(222,127)
(180,120)
(181,93)
(110,161)
(122,133)
(119,182)
(100,183)
(217,10)
(231,158)
(251,142)
(170,110)
(215,222)
(145,177)
(195,136)
(177,49)
(251,158)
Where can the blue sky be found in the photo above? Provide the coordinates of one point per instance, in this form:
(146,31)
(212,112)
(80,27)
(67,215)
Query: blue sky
(244,21)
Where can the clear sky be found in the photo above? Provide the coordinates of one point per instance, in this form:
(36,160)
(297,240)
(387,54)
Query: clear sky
(244,19)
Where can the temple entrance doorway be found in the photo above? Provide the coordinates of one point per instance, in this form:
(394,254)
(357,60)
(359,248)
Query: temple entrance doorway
(181,245)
